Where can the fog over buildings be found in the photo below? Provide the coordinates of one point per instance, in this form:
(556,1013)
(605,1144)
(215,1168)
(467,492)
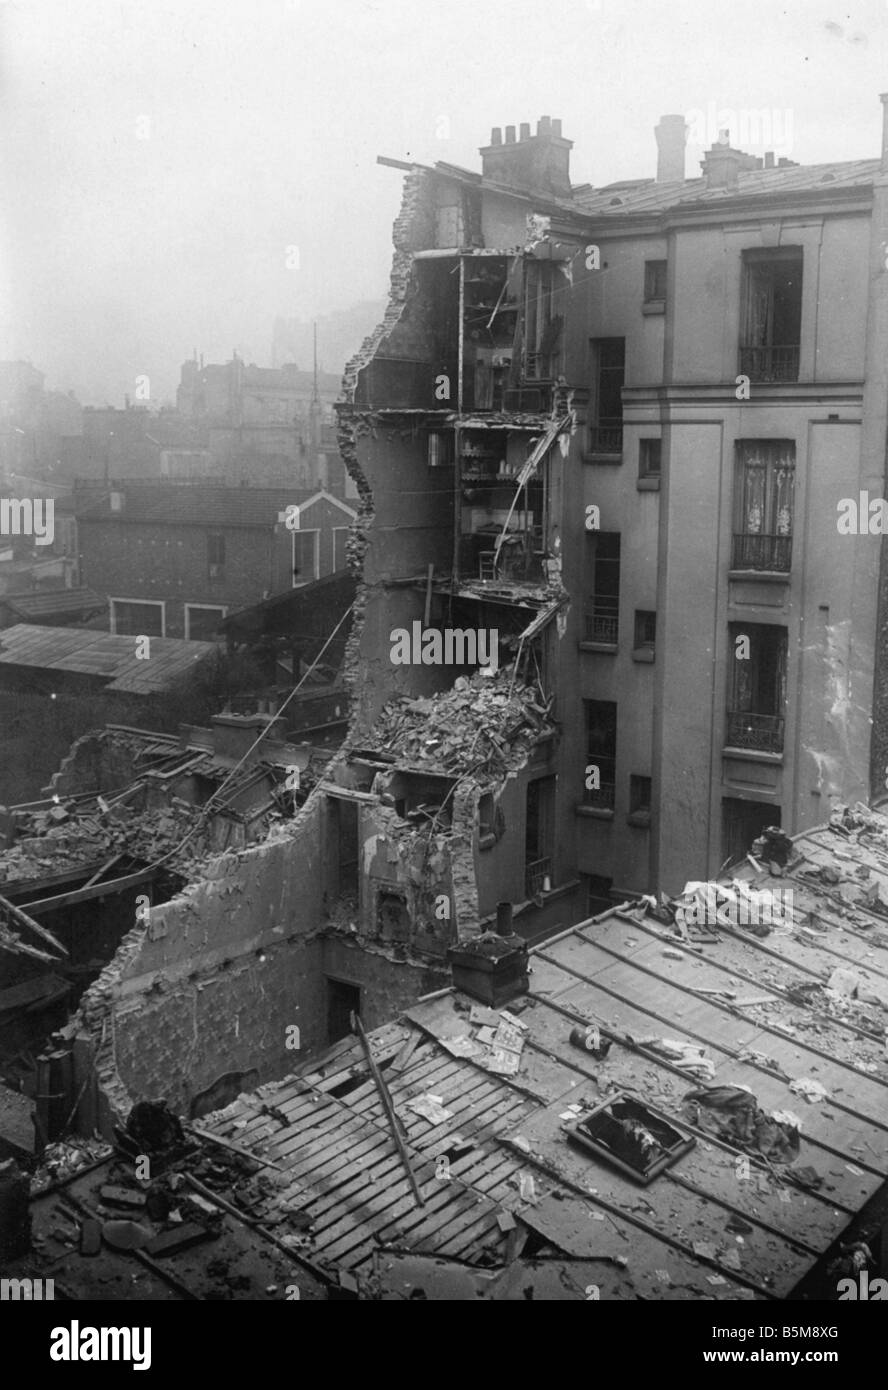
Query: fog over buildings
(164,155)
(444,663)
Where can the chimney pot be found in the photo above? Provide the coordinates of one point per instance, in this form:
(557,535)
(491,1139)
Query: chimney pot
(504,919)
(510,135)
(724,137)
(543,125)
(556,128)
(496,136)
(769,159)
(524,132)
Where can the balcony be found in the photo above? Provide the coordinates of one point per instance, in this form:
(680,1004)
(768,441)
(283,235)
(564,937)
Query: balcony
(770,363)
(606,437)
(538,877)
(758,552)
(602,620)
(761,733)
(603,798)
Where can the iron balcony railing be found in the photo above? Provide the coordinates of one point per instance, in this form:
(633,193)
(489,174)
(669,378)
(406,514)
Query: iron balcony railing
(602,622)
(770,363)
(538,876)
(761,732)
(606,437)
(751,552)
(604,797)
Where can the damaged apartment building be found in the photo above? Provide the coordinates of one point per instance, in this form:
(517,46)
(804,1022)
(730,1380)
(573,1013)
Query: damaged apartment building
(606,625)
(622,426)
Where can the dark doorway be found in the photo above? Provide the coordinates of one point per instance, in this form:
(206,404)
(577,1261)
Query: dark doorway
(743,822)
(343,1000)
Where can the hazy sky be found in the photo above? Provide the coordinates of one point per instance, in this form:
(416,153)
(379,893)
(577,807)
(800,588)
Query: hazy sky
(159,156)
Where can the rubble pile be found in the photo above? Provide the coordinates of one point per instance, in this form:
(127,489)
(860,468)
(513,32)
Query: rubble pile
(481,723)
(61,1160)
(49,842)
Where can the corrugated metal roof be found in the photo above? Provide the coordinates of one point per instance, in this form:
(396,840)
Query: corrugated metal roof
(102,654)
(736,996)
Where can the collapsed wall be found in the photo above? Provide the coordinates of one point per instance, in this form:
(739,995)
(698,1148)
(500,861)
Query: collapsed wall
(203,996)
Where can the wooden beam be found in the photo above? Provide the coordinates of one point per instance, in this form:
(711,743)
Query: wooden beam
(234,1148)
(24,920)
(98,890)
(389,1108)
(103,869)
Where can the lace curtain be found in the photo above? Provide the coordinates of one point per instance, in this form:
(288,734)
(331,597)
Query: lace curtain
(766,478)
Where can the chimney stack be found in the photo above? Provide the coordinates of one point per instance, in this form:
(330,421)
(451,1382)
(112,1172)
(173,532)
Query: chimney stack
(534,163)
(722,165)
(671,134)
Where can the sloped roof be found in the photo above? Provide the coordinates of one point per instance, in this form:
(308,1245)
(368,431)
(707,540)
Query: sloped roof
(652,197)
(734,995)
(102,654)
(55,603)
(627,196)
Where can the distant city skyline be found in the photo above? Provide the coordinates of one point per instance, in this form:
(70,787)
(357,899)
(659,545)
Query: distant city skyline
(162,161)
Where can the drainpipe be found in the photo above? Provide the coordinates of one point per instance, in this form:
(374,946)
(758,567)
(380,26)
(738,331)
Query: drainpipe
(457,460)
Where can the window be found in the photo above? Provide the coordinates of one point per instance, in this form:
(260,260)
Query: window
(138,618)
(757,687)
(202,621)
(772,314)
(649,459)
(340,540)
(654,281)
(645,632)
(606,414)
(621,1132)
(639,800)
(539,835)
(601,754)
(440,449)
(602,612)
(764,471)
(743,822)
(542,326)
(216,556)
(305,557)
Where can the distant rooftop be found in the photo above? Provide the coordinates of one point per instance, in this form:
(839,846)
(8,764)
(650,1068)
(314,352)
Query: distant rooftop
(103,655)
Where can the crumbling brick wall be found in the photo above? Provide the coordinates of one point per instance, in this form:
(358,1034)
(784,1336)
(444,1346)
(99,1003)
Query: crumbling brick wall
(413,229)
(97,763)
(210,982)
